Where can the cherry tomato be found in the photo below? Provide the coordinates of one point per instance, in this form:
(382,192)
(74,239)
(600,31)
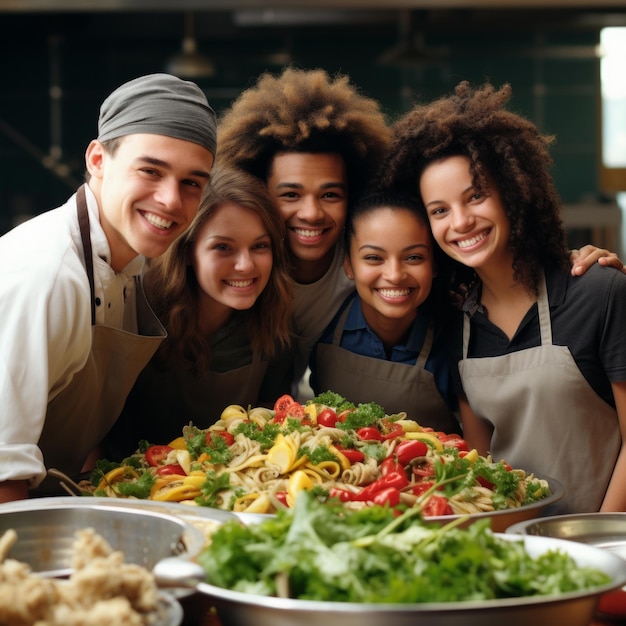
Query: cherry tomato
(390,496)
(342,494)
(224,434)
(327,418)
(435,506)
(423,469)
(390,464)
(353,455)
(283,403)
(484,482)
(168,470)
(296,410)
(156,455)
(406,451)
(456,442)
(419,488)
(369,433)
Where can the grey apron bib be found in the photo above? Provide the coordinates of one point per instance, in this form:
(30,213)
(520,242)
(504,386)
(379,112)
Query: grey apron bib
(185,397)
(546,417)
(395,386)
(80,416)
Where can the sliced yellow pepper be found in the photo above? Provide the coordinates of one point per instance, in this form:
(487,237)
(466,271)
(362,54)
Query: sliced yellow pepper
(117,475)
(298,481)
(409,426)
(331,469)
(311,412)
(184,460)
(282,454)
(428,438)
(344,461)
(472,455)
(176,494)
(261,504)
(195,481)
(178,443)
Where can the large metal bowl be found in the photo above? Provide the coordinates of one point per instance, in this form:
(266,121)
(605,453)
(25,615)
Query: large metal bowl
(574,608)
(499,520)
(46,531)
(602,530)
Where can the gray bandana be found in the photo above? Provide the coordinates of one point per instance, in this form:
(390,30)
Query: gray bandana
(159,104)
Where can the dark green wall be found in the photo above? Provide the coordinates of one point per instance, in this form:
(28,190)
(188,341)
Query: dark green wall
(560,94)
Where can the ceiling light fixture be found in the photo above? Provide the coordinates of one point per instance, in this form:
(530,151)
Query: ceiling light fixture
(190,63)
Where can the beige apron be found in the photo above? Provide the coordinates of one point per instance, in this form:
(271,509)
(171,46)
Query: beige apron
(395,386)
(546,417)
(79,417)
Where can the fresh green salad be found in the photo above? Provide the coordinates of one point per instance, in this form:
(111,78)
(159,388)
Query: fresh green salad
(325,552)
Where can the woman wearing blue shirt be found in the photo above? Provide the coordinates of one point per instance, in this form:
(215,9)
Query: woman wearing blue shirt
(386,344)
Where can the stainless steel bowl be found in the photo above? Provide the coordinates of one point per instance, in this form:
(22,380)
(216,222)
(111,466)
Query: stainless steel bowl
(46,531)
(602,530)
(574,609)
(499,520)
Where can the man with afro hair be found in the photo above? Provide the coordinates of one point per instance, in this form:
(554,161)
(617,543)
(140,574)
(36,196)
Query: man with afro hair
(316,141)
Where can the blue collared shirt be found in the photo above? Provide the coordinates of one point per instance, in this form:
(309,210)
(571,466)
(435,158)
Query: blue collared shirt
(359,338)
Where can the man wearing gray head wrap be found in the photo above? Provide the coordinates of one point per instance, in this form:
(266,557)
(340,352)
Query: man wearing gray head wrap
(158,104)
(76,328)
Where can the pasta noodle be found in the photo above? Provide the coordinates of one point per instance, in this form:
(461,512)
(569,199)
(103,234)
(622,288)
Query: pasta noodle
(266,461)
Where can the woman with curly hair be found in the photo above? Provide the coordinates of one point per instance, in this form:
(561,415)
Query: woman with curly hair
(541,354)
(316,142)
(224,295)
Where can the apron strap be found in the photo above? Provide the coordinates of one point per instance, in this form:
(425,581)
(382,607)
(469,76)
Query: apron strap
(426,346)
(424,353)
(83,224)
(543,309)
(341,323)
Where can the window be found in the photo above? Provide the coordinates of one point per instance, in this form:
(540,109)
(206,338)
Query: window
(613,90)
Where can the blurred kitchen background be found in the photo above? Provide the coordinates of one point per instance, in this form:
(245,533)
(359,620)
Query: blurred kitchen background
(565,60)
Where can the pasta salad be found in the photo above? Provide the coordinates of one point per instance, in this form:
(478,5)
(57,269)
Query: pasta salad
(256,460)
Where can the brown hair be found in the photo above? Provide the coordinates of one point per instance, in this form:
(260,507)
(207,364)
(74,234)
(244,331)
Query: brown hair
(172,287)
(500,144)
(304,111)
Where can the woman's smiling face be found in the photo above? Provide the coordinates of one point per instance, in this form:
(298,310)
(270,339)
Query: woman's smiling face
(391,261)
(470,226)
(232,258)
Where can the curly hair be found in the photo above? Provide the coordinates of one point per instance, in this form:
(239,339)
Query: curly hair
(172,287)
(304,111)
(500,144)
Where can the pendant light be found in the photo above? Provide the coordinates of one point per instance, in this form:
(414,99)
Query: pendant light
(189,63)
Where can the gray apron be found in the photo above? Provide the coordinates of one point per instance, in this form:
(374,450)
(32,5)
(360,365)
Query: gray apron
(80,416)
(396,387)
(186,397)
(546,417)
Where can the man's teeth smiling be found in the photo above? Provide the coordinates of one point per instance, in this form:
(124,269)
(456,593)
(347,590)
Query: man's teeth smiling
(394,293)
(157,221)
(466,243)
(302,232)
(239,283)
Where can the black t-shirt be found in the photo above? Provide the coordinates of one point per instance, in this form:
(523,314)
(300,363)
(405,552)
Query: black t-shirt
(588,315)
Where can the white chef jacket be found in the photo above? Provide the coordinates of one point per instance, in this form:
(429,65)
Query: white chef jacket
(315,305)
(45,328)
